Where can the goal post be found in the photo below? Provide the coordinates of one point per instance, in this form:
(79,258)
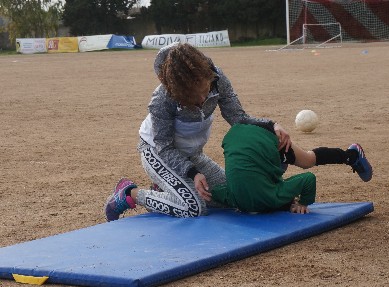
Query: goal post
(320,20)
(322,35)
(327,35)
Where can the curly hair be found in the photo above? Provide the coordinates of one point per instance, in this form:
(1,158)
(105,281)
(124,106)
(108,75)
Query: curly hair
(184,69)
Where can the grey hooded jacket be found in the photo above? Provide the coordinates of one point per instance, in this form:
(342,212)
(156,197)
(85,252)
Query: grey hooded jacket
(177,133)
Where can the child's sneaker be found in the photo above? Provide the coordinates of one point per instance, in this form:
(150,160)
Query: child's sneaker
(361,165)
(118,201)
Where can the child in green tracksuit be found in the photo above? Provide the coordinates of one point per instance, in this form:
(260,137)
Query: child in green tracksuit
(253,166)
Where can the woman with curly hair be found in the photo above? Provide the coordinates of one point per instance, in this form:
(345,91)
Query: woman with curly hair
(175,131)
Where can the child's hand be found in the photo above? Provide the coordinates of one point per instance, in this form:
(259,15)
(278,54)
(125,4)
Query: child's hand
(283,137)
(298,208)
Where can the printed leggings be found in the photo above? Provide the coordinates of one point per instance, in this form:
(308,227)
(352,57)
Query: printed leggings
(179,197)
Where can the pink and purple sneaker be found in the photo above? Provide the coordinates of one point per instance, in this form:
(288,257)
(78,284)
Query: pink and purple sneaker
(118,201)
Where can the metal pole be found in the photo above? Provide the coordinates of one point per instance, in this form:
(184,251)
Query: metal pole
(287,22)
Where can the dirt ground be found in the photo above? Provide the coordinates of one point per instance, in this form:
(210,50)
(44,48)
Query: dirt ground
(69,130)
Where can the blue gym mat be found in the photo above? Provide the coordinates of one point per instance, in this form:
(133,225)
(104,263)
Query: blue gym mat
(152,249)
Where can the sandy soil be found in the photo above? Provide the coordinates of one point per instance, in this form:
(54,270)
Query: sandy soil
(69,129)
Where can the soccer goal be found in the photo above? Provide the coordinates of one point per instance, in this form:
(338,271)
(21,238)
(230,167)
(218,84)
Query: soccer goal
(326,35)
(328,23)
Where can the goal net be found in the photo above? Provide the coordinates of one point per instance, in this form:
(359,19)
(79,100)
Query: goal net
(333,21)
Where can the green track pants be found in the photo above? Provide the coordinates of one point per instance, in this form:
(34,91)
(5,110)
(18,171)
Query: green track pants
(254,173)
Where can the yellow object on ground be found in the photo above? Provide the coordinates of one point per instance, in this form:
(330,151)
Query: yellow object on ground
(30,279)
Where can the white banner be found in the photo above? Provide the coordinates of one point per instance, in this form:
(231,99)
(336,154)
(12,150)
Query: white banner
(93,43)
(31,45)
(210,39)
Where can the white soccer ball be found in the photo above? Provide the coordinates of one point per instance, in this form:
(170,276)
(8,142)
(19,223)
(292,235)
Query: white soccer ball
(306,121)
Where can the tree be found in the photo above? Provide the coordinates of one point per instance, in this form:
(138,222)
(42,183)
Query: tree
(177,16)
(88,17)
(30,18)
(266,18)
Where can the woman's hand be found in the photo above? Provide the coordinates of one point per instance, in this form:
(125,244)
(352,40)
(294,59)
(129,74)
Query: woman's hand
(283,137)
(201,186)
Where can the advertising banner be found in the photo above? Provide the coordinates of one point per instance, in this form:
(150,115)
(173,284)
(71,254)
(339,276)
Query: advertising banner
(159,41)
(62,45)
(122,42)
(31,45)
(93,43)
(210,39)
